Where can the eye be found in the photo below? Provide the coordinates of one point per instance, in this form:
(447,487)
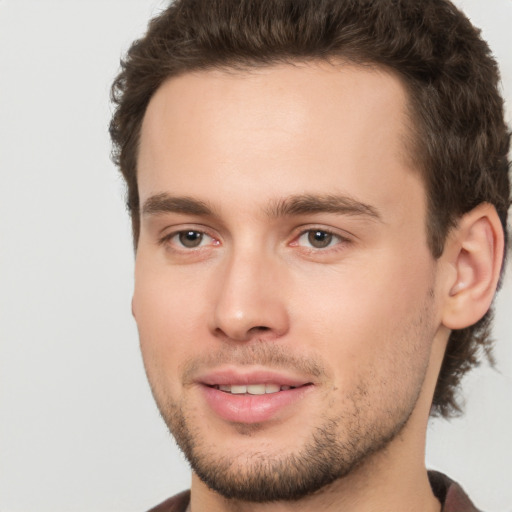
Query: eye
(318,239)
(189,239)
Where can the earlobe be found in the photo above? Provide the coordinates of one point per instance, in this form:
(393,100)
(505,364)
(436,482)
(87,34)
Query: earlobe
(475,250)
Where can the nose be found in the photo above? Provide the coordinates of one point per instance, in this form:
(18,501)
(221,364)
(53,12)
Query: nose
(250,299)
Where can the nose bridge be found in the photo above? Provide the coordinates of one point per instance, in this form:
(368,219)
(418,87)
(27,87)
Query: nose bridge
(249,298)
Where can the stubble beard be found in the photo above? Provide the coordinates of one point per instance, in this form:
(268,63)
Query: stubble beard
(336,446)
(322,461)
(335,449)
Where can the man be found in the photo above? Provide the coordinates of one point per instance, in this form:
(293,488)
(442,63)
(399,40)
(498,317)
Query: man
(319,194)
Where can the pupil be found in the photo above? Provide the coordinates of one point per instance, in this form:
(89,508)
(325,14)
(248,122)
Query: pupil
(190,238)
(319,239)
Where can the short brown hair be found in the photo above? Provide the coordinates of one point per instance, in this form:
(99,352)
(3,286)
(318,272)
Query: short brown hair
(461,141)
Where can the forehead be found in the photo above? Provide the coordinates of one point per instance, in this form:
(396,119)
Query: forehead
(299,127)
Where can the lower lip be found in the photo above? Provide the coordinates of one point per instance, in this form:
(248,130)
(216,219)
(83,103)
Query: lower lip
(245,408)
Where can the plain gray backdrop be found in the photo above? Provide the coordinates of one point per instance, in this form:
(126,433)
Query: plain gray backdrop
(78,427)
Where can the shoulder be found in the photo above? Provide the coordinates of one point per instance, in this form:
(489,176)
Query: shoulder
(178,503)
(450,494)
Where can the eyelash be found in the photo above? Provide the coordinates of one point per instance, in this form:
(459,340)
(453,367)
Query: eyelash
(340,240)
(336,237)
(167,239)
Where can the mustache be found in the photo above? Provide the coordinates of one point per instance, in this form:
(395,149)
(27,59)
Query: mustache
(269,355)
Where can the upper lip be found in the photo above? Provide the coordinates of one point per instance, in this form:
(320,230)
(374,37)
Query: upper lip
(247,376)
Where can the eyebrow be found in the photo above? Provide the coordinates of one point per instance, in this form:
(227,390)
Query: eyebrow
(165,203)
(291,206)
(313,204)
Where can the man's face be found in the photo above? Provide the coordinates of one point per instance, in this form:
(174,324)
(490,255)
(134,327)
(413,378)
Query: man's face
(285,293)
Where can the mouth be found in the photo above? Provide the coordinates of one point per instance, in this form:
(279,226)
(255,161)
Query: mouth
(253,389)
(254,396)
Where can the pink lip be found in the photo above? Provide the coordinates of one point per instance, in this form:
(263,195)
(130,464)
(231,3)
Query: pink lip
(228,376)
(246,408)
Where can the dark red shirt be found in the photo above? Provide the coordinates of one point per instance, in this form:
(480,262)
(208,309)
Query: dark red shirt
(448,492)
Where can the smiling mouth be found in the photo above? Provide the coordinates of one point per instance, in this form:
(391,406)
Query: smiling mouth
(252,399)
(254,389)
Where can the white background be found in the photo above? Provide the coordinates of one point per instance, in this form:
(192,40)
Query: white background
(78,427)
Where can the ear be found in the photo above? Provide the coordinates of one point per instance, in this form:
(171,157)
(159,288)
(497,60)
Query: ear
(474,250)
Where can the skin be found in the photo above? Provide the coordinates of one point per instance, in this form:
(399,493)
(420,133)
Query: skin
(368,310)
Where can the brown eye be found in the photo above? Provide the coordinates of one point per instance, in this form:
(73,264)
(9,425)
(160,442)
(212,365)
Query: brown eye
(319,239)
(190,239)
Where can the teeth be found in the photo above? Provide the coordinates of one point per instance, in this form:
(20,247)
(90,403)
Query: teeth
(256,389)
(272,388)
(252,389)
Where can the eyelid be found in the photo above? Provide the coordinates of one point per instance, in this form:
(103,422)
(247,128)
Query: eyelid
(170,232)
(343,236)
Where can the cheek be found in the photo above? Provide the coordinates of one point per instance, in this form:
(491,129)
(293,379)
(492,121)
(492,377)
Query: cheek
(368,317)
(168,317)
(166,299)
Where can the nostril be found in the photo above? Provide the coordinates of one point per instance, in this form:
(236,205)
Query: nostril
(259,328)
